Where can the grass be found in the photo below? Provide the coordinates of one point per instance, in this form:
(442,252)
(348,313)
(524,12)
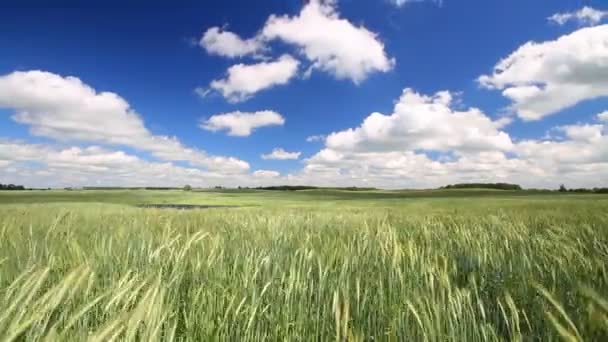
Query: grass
(304,266)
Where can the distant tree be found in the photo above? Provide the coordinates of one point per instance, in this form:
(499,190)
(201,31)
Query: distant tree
(562,188)
(306,187)
(496,186)
(11,187)
(187,188)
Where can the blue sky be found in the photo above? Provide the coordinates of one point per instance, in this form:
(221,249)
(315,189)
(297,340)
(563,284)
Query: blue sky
(154,57)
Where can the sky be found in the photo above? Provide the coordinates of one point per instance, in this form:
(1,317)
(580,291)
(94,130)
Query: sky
(382,93)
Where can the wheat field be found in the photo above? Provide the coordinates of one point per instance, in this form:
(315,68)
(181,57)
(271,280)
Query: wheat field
(303,267)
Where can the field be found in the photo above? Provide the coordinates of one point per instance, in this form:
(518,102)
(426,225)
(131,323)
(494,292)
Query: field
(313,265)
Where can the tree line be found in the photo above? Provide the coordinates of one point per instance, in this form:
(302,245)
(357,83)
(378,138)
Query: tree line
(562,188)
(495,186)
(507,186)
(305,187)
(11,187)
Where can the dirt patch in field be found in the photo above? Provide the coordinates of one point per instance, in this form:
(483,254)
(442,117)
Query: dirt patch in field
(184,206)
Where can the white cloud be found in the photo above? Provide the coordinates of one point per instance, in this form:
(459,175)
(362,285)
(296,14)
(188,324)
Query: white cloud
(577,161)
(409,169)
(66,109)
(315,138)
(586,147)
(281,154)
(392,151)
(331,43)
(603,116)
(585,16)
(535,164)
(266,174)
(544,78)
(96,166)
(91,159)
(582,132)
(242,124)
(583,146)
(217,41)
(244,80)
(422,122)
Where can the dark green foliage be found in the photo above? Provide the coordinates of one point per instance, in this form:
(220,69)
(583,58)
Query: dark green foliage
(128,188)
(588,191)
(305,187)
(495,186)
(11,187)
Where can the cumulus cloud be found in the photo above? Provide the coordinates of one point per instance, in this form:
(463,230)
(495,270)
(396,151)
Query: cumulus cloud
(544,78)
(281,154)
(391,150)
(586,147)
(583,146)
(580,159)
(587,16)
(582,132)
(331,43)
(242,124)
(410,169)
(217,41)
(90,159)
(394,151)
(244,80)
(266,174)
(66,109)
(421,122)
(55,166)
(536,163)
